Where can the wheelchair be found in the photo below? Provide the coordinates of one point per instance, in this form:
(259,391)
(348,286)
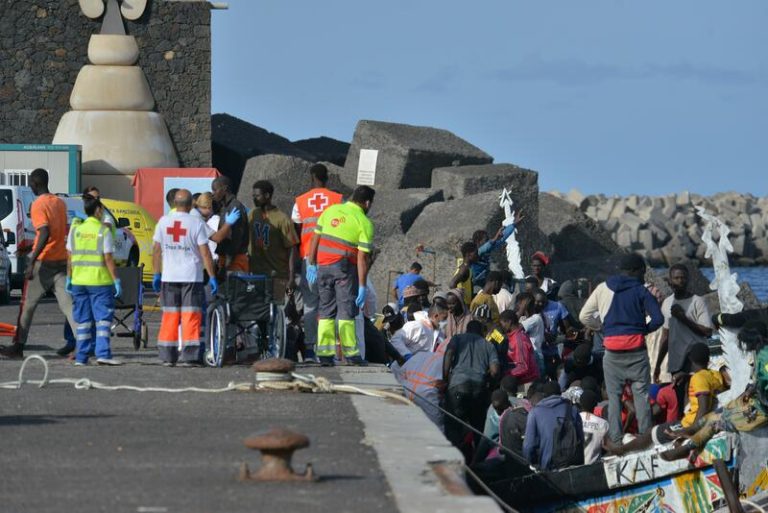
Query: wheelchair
(243,322)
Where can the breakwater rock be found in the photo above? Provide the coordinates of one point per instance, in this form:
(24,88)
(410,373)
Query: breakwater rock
(666,229)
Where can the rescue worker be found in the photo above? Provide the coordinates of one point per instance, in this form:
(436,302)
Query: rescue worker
(93,282)
(233,249)
(308,207)
(338,261)
(179,255)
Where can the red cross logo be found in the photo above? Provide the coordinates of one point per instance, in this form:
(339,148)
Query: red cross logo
(176,232)
(318,202)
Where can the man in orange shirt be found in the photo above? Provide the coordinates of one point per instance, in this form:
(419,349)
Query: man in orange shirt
(47,266)
(306,211)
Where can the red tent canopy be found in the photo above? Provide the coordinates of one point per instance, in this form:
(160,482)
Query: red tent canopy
(148,189)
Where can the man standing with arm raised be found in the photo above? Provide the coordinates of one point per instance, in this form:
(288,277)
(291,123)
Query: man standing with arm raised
(338,260)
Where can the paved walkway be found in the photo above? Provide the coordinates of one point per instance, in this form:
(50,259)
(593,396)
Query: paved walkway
(72,450)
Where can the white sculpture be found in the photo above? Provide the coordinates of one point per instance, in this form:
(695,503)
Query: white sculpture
(513,247)
(727,286)
(112,116)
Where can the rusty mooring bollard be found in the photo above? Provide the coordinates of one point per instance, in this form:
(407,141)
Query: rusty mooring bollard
(276,446)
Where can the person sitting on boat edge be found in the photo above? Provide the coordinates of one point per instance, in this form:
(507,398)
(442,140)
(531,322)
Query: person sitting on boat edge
(747,412)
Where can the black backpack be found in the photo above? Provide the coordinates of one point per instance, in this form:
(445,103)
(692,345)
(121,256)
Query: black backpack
(568,446)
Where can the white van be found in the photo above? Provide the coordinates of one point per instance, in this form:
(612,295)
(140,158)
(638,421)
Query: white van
(19,234)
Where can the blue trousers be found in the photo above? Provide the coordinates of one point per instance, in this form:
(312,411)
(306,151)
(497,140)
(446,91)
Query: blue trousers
(93,305)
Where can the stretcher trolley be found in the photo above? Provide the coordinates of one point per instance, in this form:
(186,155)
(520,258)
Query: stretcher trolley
(129,307)
(243,322)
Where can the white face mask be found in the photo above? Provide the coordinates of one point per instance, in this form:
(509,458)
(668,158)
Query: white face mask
(441,325)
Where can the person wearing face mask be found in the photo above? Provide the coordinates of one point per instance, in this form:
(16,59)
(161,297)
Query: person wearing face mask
(273,248)
(424,333)
(338,261)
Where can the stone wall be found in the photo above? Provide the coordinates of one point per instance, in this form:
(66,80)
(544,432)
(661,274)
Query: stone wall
(666,229)
(43,45)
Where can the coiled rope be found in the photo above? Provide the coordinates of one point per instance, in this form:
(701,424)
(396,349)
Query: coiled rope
(262,381)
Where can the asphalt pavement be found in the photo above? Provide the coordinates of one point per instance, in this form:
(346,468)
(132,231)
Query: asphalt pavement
(88,450)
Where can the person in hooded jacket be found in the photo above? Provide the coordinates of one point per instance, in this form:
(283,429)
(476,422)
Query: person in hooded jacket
(539,442)
(458,315)
(619,307)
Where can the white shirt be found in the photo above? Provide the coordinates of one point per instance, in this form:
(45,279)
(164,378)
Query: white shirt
(534,327)
(180,236)
(505,300)
(595,429)
(415,336)
(213,226)
(295,216)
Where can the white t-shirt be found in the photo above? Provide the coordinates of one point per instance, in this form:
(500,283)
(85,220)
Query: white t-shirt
(415,336)
(180,236)
(295,216)
(595,429)
(213,226)
(681,338)
(534,327)
(505,300)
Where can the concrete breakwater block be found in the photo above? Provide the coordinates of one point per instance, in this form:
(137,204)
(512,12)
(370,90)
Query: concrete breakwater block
(289,176)
(448,224)
(573,235)
(234,141)
(394,212)
(461,181)
(408,154)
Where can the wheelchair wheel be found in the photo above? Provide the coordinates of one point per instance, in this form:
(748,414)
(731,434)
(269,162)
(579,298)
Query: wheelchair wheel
(217,336)
(277,336)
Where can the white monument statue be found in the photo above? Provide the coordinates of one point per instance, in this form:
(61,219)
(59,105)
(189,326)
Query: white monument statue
(111,116)
(727,286)
(513,247)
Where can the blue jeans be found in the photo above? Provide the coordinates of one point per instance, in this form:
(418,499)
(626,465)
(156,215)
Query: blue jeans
(93,305)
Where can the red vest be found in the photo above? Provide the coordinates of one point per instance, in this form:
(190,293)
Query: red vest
(310,205)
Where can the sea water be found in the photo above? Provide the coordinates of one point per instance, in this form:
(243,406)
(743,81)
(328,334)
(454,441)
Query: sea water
(757,277)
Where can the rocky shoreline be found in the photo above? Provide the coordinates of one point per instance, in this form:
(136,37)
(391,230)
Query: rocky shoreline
(667,229)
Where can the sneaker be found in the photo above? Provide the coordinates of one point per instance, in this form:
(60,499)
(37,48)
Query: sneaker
(169,364)
(12,352)
(310,356)
(189,364)
(326,361)
(108,361)
(357,361)
(65,351)
(81,364)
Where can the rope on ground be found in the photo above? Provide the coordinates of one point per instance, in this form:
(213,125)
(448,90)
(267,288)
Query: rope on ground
(262,381)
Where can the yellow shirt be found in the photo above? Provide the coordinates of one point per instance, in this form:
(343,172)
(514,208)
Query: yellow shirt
(704,381)
(485,299)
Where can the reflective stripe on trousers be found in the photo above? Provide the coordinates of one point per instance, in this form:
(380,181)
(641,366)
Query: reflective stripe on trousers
(182,305)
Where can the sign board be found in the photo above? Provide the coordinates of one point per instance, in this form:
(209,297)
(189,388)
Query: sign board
(366,167)
(62,161)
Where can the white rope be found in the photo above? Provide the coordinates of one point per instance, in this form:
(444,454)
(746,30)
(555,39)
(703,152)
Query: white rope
(262,381)
(753,504)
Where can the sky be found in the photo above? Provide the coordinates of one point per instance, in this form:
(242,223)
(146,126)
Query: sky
(614,97)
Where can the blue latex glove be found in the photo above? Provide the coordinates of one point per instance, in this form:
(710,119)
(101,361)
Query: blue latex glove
(361,293)
(68,285)
(156,279)
(311,274)
(118,288)
(214,285)
(232,217)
